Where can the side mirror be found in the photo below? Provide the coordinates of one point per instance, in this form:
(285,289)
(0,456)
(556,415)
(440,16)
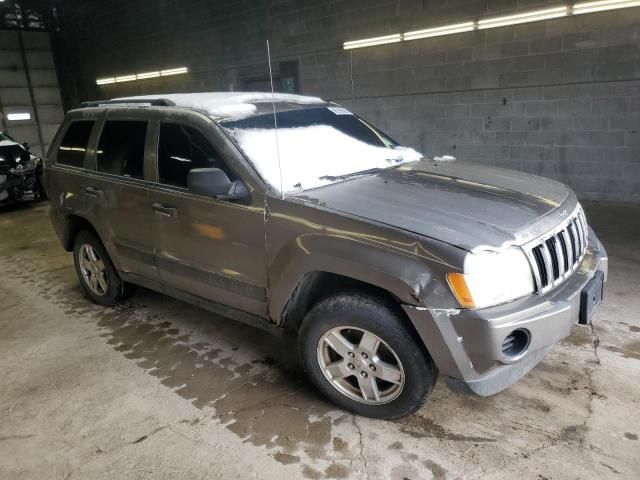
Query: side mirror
(26,146)
(213,182)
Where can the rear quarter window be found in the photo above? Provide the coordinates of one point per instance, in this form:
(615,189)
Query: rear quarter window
(73,146)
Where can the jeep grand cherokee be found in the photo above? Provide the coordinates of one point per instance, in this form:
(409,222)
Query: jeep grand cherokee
(388,266)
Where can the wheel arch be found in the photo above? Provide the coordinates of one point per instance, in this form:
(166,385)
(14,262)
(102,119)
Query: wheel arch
(74,224)
(318,285)
(390,270)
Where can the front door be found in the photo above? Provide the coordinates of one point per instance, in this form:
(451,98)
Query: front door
(210,248)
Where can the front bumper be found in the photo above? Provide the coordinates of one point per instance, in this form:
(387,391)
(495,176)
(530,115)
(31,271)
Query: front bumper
(14,185)
(466,345)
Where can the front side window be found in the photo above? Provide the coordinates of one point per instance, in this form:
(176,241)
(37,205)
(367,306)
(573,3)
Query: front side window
(182,148)
(314,146)
(121,148)
(74,143)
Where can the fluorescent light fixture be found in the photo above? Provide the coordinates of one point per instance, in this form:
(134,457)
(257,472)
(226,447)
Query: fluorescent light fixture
(173,71)
(19,116)
(437,31)
(125,78)
(494,22)
(73,149)
(143,76)
(534,16)
(589,7)
(370,42)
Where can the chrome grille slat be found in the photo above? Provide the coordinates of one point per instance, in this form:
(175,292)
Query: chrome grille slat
(560,258)
(557,254)
(534,269)
(585,230)
(547,262)
(565,233)
(582,231)
(566,251)
(572,239)
(579,234)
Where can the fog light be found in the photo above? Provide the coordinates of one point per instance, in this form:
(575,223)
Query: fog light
(515,344)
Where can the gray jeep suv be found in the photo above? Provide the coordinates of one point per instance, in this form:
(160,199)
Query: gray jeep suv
(294,214)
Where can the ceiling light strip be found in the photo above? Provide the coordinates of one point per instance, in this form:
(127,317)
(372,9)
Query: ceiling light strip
(590,7)
(18,116)
(142,76)
(125,78)
(438,31)
(369,42)
(173,71)
(534,16)
(495,22)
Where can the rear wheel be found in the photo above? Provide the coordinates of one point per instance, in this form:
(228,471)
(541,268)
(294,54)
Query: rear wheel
(96,272)
(359,353)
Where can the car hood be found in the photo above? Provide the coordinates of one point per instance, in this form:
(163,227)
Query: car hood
(464,204)
(10,153)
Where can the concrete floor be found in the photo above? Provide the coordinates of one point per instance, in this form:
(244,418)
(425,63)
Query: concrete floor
(159,389)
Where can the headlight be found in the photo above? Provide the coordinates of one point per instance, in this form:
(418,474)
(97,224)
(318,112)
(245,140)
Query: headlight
(491,278)
(24,167)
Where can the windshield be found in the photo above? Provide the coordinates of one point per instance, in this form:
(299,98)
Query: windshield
(315,146)
(5,138)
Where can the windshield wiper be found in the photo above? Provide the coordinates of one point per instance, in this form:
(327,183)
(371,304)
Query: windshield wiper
(333,178)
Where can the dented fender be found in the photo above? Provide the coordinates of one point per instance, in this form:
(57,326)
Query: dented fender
(410,268)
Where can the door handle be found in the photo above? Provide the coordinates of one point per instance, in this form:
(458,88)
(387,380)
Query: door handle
(165,210)
(94,192)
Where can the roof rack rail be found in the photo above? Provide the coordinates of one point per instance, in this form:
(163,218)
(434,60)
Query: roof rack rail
(153,102)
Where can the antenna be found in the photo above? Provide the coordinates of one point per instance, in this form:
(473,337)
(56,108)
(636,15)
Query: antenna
(275,120)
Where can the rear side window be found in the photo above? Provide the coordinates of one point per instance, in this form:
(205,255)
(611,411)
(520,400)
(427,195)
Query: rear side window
(182,148)
(121,148)
(74,143)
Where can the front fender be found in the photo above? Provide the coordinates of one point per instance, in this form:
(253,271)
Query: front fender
(400,274)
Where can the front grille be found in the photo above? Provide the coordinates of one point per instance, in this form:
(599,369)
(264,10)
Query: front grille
(557,254)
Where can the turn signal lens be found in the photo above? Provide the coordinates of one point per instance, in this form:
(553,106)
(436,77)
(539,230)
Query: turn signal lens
(460,290)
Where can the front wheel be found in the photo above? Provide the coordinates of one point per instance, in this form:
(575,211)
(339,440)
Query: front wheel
(359,353)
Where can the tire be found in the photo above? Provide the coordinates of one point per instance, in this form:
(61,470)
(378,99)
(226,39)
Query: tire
(40,193)
(111,290)
(353,316)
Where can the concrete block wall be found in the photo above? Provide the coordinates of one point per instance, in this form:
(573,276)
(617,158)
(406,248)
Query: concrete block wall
(560,98)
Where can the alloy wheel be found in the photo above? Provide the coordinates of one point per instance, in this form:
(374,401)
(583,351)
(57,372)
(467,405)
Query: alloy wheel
(360,365)
(93,270)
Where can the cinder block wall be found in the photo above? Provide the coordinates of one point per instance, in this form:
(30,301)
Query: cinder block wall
(560,98)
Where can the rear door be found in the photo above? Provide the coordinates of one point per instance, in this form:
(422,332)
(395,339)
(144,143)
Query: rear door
(210,248)
(67,165)
(116,193)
